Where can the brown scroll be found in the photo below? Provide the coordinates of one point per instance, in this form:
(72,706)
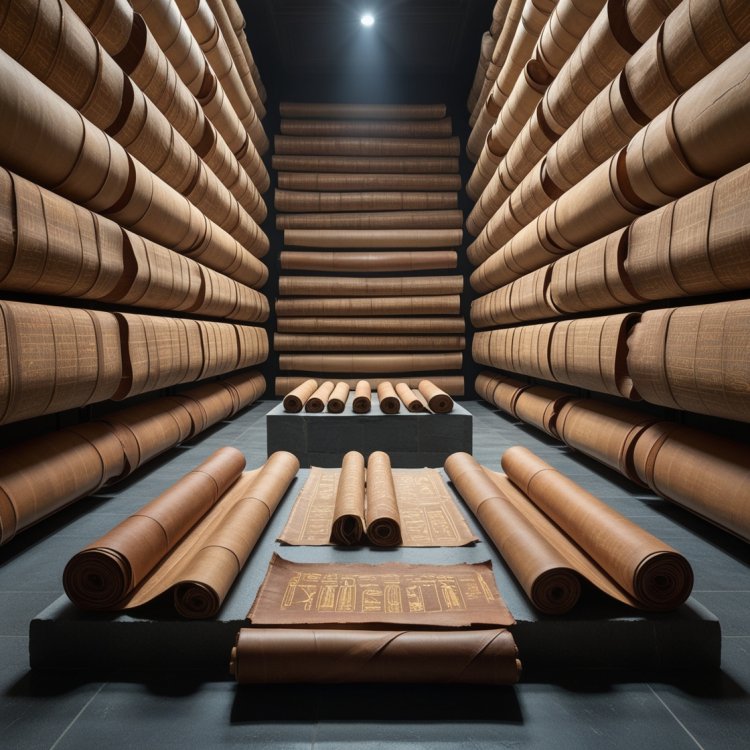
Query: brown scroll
(382,220)
(290,655)
(413,401)
(539,406)
(421,325)
(444,304)
(338,398)
(359,182)
(382,516)
(552,534)
(308,201)
(705,473)
(499,390)
(388,399)
(318,400)
(365,286)
(428,512)
(453,384)
(304,110)
(655,575)
(296,399)
(366,238)
(343,146)
(348,526)
(193,539)
(439,401)
(359,260)
(367,164)
(450,596)
(370,363)
(362,397)
(380,128)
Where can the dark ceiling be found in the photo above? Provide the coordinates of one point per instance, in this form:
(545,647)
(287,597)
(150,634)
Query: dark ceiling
(416,50)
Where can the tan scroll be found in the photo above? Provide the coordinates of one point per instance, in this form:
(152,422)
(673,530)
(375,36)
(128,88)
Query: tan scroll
(362,401)
(339,397)
(319,398)
(553,535)
(449,596)
(297,398)
(414,401)
(193,539)
(290,655)
(349,525)
(388,398)
(429,514)
(439,401)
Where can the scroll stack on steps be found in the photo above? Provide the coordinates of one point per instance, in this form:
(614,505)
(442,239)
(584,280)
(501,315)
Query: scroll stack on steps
(367,200)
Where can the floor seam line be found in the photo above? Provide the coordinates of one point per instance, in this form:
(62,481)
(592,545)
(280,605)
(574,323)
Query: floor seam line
(77,716)
(674,716)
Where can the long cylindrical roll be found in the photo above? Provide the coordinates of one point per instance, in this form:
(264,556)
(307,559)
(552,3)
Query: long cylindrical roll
(337,182)
(387,398)
(543,572)
(362,397)
(381,513)
(446,304)
(301,200)
(440,402)
(499,390)
(293,145)
(205,581)
(383,220)
(366,286)
(339,397)
(106,571)
(352,238)
(279,655)
(366,164)
(319,398)
(370,363)
(362,111)
(413,401)
(424,325)
(354,342)
(540,406)
(348,526)
(359,260)
(652,572)
(296,399)
(377,128)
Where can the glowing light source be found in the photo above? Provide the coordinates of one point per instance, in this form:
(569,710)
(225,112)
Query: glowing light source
(367,19)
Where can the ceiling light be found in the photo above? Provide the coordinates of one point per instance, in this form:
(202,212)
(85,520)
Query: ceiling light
(367,19)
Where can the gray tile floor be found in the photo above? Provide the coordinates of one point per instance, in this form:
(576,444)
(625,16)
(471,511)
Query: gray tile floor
(679,710)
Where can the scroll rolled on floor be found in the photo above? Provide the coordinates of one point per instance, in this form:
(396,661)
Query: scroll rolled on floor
(193,539)
(553,534)
(290,655)
(425,513)
(297,398)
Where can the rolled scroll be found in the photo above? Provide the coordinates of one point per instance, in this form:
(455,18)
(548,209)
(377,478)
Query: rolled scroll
(319,398)
(414,401)
(358,260)
(387,398)
(362,397)
(366,164)
(338,398)
(304,110)
(348,526)
(296,399)
(381,516)
(439,401)
(288,655)
(370,363)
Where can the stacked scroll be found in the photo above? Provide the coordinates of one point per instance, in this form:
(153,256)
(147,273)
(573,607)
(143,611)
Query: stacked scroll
(368,204)
(131,177)
(703,472)
(611,174)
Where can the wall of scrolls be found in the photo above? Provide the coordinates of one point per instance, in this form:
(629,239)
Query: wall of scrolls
(131,184)
(611,229)
(367,201)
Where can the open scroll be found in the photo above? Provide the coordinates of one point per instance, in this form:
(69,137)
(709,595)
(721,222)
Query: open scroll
(335,508)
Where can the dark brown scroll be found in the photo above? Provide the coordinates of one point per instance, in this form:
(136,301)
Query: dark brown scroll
(370,363)
(297,398)
(499,390)
(308,201)
(387,398)
(358,182)
(322,146)
(414,401)
(439,401)
(280,655)
(367,238)
(381,514)
(338,398)
(380,220)
(319,398)
(348,526)
(380,128)
(429,515)
(540,406)
(449,596)
(421,325)
(194,539)
(362,397)
(443,304)
(559,534)
(365,286)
